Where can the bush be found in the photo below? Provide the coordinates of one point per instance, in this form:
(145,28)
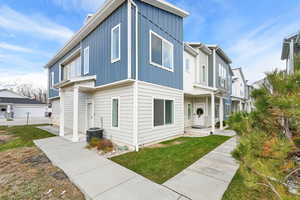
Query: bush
(238,122)
(94,142)
(105,145)
(218,124)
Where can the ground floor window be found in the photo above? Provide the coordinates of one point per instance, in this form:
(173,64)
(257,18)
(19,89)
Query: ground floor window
(189,111)
(115,112)
(217,110)
(163,112)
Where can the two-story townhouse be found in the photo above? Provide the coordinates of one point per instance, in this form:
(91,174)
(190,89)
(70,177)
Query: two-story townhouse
(239,91)
(220,77)
(122,71)
(290,48)
(207,86)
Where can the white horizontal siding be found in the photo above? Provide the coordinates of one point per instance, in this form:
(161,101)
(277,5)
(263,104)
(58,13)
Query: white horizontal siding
(68,108)
(55,112)
(146,132)
(103,106)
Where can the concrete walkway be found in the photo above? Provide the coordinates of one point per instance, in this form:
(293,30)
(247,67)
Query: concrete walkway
(209,177)
(99,178)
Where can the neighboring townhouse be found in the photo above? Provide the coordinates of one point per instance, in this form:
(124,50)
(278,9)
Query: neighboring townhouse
(290,47)
(207,86)
(239,95)
(122,71)
(249,99)
(14,105)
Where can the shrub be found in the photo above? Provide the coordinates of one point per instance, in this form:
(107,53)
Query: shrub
(94,142)
(105,145)
(218,124)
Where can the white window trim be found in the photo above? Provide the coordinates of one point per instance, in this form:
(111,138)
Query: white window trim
(84,61)
(164,125)
(52,80)
(111,114)
(77,52)
(150,51)
(111,44)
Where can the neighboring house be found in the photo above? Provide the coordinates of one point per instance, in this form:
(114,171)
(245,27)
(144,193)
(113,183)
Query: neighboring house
(14,105)
(290,47)
(207,85)
(249,100)
(136,95)
(239,95)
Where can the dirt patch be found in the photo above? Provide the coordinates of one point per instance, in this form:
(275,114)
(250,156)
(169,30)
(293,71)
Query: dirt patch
(2,132)
(26,173)
(159,145)
(5,138)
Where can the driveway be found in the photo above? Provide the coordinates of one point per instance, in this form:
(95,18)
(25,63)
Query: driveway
(23,121)
(99,178)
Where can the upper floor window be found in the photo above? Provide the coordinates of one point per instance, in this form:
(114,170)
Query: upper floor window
(72,69)
(52,80)
(222,75)
(187,65)
(203,73)
(86,60)
(161,52)
(116,43)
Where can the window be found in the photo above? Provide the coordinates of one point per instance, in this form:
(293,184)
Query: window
(163,112)
(161,52)
(187,65)
(203,74)
(217,110)
(189,111)
(222,76)
(72,69)
(86,60)
(52,80)
(115,113)
(115,43)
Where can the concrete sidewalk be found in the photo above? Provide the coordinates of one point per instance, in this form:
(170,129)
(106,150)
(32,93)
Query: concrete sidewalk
(99,178)
(209,177)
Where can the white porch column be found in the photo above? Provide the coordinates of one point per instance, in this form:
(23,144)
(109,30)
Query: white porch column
(75,114)
(241,107)
(213,112)
(61,114)
(221,113)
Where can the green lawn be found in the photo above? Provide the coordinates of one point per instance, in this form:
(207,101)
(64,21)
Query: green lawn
(237,190)
(23,136)
(167,159)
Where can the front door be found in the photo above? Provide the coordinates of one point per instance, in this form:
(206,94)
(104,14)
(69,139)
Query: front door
(89,115)
(199,114)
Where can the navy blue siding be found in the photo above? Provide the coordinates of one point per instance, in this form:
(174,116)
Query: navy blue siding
(99,42)
(55,68)
(133,42)
(170,27)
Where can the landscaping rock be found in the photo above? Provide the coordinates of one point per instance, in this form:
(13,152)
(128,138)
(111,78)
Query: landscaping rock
(59,175)
(35,160)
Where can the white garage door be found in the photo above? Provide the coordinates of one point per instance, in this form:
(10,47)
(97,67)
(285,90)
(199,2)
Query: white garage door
(34,111)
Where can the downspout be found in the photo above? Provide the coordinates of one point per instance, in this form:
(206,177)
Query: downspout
(135,89)
(214,67)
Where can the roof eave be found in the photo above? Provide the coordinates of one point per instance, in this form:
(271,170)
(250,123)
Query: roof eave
(106,9)
(168,7)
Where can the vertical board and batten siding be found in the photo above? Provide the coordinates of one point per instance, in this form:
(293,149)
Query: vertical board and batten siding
(99,42)
(55,68)
(161,22)
(146,132)
(103,113)
(133,42)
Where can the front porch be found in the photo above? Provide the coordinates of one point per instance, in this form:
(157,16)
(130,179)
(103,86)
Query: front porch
(203,111)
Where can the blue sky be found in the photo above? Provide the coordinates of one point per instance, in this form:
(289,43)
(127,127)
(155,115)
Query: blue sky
(250,32)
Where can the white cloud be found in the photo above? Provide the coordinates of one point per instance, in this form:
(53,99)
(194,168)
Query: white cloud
(12,47)
(37,25)
(259,50)
(36,79)
(79,5)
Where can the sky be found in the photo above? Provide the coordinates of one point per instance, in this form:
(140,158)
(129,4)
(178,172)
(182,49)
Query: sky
(250,32)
